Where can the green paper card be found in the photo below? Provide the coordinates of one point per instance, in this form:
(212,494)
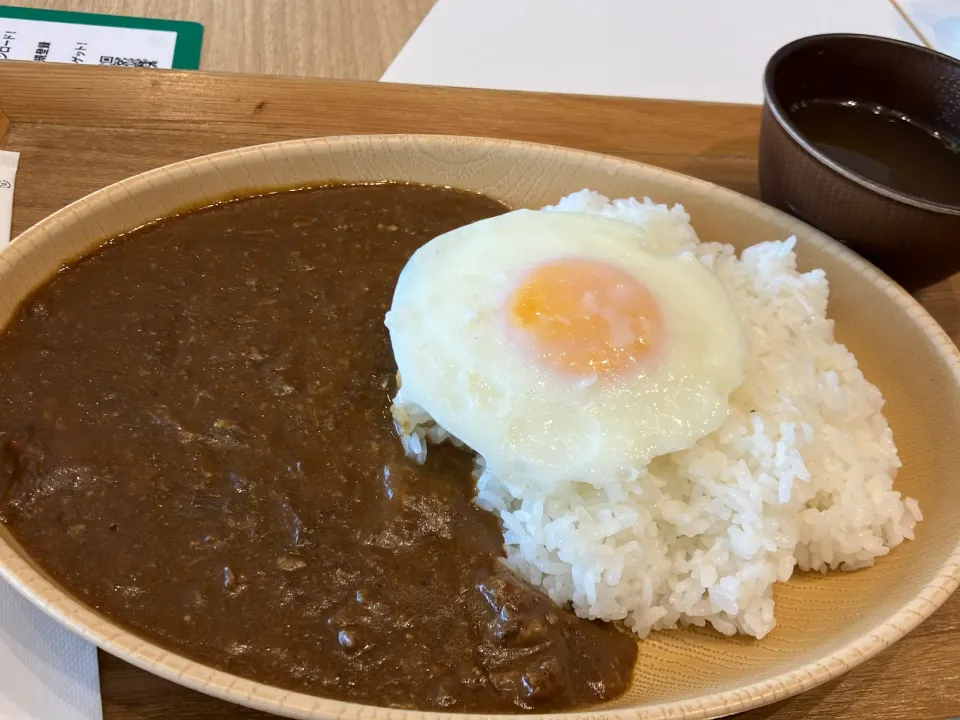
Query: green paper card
(90,39)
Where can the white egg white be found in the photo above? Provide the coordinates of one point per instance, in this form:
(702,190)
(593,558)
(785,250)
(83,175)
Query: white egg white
(459,364)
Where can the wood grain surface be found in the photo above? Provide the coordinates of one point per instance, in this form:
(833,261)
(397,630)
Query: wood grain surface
(78,129)
(351,39)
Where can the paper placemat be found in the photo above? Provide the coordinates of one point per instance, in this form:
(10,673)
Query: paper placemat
(672,49)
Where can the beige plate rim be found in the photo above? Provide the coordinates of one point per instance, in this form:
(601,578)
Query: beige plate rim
(120,642)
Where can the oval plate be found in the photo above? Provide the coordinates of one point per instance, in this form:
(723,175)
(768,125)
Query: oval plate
(825,624)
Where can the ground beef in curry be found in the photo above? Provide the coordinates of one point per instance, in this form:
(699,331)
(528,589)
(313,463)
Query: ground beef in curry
(195,441)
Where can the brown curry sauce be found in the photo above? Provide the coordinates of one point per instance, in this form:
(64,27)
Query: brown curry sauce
(195,441)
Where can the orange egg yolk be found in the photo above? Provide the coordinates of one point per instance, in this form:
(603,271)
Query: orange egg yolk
(586,317)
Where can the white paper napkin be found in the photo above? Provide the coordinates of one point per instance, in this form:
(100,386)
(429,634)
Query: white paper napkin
(676,49)
(46,672)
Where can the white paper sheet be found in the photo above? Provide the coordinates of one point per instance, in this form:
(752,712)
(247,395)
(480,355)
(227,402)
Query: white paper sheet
(712,50)
(46,672)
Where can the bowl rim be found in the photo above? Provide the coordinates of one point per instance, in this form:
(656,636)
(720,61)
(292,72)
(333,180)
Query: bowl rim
(147,655)
(772,102)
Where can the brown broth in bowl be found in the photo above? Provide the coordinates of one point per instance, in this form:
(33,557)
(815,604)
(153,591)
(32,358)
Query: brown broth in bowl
(195,441)
(898,151)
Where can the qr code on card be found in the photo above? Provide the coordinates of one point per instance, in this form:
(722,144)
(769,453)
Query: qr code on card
(127,62)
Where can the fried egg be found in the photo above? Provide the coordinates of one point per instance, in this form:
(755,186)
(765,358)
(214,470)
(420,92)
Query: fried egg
(560,348)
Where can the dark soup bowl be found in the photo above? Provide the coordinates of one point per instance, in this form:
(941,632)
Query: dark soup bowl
(861,138)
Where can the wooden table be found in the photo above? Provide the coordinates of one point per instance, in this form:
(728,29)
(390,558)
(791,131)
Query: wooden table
(80,128)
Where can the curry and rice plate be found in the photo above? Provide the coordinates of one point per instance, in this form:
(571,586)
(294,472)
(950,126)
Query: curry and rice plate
(601,419)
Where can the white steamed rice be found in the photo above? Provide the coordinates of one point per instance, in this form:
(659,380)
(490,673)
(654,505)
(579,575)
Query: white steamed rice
(799,476)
